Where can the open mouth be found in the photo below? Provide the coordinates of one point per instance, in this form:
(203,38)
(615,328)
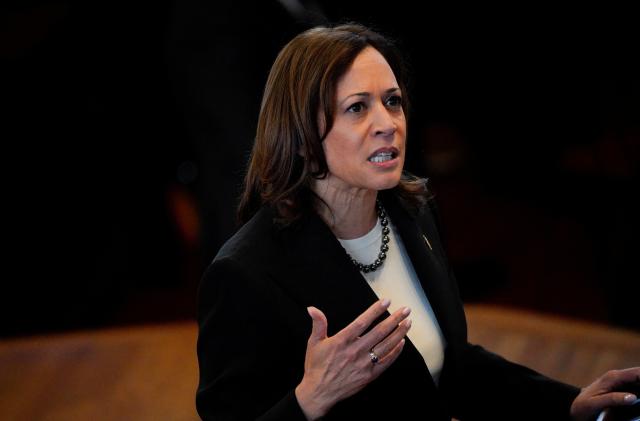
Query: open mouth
(383,155)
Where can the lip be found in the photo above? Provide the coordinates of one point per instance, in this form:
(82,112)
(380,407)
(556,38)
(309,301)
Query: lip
(386,164)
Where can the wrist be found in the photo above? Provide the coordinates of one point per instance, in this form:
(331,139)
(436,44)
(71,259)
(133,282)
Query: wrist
(311,405)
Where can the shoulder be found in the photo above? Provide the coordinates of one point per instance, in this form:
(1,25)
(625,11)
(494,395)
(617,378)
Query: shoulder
(242,257)
(252,258)
(239,276)
(254,240)
(244,280)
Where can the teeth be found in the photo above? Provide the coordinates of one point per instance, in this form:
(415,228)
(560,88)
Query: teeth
(381,157)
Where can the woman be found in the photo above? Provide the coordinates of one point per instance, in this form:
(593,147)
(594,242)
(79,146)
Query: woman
(335,231)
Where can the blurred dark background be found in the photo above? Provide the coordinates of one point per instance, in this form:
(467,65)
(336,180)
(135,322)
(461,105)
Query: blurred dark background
(126,128)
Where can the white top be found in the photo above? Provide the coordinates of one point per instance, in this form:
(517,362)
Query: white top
(397,280)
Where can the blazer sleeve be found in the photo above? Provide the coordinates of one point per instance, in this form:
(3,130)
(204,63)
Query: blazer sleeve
(490,387)
(236,348)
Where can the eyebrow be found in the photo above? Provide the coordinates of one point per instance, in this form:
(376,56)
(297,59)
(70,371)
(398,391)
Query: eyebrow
(367,94)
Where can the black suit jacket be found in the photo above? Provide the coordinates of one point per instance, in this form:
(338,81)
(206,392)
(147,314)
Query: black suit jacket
(254,329)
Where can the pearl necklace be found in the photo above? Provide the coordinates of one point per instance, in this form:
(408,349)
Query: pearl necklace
(384,246)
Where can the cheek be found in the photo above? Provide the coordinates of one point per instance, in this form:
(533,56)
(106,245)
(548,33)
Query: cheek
(330,153)
(336,159)
(338,150)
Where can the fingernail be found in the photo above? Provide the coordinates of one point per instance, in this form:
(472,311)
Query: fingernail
(408,323)
(630,398)
(406,311)
(402,341)
(386,302)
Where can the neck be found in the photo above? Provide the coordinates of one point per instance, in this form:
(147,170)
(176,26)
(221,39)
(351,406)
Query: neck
(349,212)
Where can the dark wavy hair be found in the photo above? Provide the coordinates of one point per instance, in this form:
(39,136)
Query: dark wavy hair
(287,154)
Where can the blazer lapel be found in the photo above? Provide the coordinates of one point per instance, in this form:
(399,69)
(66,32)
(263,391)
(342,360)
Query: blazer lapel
(320,274)
(431,270)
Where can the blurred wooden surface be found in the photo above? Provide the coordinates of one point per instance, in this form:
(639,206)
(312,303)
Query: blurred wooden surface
(139,373)
(573,351)
(150,373)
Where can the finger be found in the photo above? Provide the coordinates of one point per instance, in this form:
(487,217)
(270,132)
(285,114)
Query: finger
(319,327)
(388,359)
(618,378)
(363,321)
(598,403)
(390,342)
(384,328)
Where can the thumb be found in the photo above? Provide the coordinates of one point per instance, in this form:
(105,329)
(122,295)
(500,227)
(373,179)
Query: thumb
(319,327)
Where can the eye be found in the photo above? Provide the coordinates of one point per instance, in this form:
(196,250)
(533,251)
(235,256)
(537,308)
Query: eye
(358,107)
(394,101)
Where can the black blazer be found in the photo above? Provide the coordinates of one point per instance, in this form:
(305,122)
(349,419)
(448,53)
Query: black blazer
(254,329)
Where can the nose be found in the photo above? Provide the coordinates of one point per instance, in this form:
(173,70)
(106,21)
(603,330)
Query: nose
(383,122)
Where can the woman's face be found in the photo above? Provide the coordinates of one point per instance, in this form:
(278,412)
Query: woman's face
(366,145)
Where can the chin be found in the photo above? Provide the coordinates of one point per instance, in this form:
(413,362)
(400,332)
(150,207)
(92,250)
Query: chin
(387,183)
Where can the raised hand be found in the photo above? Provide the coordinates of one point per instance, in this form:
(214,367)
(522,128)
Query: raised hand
(339,366)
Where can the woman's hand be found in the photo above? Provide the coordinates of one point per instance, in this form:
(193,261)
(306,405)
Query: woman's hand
(606,391)
(339,366)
